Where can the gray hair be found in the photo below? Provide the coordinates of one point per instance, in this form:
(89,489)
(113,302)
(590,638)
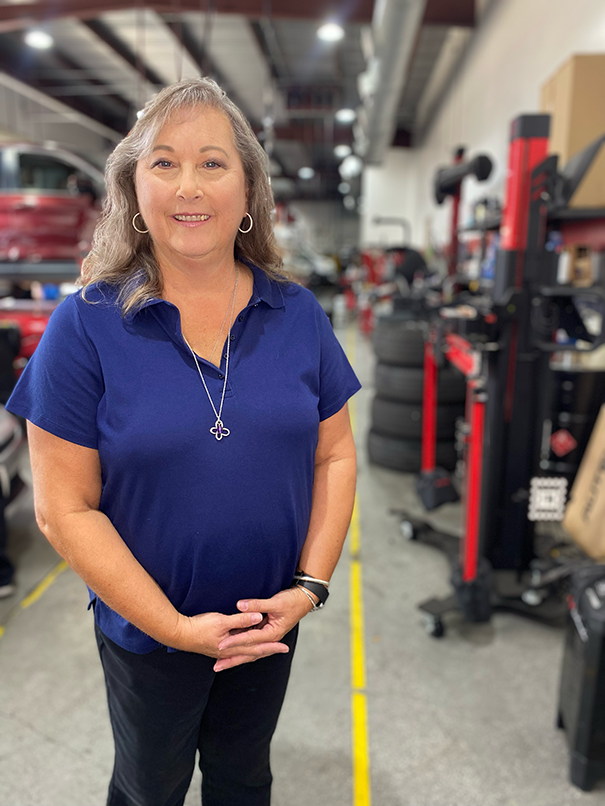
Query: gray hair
(121,256)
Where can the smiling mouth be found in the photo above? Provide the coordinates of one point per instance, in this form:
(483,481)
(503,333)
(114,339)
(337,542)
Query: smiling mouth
(186,217)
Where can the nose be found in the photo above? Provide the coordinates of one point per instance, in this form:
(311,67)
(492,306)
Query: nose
(189,184)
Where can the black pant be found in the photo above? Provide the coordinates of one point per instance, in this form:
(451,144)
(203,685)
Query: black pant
(6,567)
(164,706)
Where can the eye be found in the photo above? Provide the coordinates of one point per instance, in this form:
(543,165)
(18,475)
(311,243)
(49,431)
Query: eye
(212,164)
(162,163)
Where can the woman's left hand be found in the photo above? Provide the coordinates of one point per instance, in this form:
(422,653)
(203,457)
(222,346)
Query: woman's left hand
(282,612)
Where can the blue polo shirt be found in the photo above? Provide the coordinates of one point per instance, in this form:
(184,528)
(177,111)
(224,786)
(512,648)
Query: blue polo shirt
(211,521)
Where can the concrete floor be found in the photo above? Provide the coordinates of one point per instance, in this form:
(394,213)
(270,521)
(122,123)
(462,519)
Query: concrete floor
(463,721)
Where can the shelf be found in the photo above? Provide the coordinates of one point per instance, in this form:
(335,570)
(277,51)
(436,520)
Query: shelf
(577,214)
(45,271)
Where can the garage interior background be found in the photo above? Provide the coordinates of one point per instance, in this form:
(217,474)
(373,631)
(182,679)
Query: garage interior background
(467,721)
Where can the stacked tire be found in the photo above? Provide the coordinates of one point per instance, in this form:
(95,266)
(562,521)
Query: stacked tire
(395,438)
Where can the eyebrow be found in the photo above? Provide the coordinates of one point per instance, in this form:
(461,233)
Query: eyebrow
(202,149)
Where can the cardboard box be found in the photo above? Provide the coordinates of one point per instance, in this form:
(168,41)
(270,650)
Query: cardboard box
(585,512)
(574,97)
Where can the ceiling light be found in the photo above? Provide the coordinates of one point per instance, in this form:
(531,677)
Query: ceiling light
(350,167)
(306,173)
(38,39)
(349,202)
(346,115)
(344,188)
(342,151)
(330,32)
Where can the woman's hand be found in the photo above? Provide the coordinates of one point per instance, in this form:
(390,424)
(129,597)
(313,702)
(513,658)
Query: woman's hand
(206,633)
(282,612)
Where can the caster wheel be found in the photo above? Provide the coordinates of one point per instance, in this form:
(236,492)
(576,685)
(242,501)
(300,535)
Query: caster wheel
(533,597)
(407,530)
(435,627)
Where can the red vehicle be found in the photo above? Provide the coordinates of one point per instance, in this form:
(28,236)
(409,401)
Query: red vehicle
(30,318)
(50,201)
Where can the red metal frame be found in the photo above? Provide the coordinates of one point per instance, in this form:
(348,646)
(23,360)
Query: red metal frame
(429,409)
(469,545)
(525,154)
(460,353)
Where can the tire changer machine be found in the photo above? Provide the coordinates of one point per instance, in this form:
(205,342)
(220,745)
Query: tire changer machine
(503,345)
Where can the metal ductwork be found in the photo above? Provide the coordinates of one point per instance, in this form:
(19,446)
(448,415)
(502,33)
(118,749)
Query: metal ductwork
(395,25)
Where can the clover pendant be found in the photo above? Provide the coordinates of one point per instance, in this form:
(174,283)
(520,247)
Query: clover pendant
(219,430)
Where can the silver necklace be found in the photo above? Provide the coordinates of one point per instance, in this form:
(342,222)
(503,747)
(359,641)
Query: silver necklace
(218,430)
(222,326)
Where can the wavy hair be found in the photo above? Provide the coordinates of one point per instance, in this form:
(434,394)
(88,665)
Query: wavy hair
(124,258)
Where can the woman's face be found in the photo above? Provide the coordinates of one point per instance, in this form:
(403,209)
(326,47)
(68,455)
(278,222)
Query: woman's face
(191,189)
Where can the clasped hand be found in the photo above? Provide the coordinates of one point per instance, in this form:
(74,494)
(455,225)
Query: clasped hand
(254,633)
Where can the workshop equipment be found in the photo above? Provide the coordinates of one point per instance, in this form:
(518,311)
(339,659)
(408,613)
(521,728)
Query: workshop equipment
(503,344)
(448,182)
(582,691)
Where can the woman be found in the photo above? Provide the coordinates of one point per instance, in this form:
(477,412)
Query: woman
(191,452)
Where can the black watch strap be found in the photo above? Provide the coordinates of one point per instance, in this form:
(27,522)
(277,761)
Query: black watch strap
(317,588)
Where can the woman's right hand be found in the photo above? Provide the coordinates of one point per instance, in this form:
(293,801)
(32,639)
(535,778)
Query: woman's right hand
(203,634)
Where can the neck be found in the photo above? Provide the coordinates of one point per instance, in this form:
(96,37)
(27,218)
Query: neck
(192,278)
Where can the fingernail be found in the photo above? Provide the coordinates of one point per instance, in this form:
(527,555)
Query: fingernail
(242,605)
(218,667)
(256,617)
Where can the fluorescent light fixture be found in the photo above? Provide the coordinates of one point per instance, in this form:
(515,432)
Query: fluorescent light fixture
(344,188)
(331,32)
(346,115)
(306,173)
(350,167)
(39,39)
(342,151)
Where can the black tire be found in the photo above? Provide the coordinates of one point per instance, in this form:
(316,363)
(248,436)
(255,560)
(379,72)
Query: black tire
(405,384)
(404,420)
(399,341)
(406,454)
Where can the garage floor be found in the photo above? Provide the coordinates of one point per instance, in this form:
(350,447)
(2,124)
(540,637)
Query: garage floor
(462,721)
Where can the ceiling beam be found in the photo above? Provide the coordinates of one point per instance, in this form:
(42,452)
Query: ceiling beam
(23,15)
(105,33)
(199,55)
(307,133)
(42,68)
(450,12)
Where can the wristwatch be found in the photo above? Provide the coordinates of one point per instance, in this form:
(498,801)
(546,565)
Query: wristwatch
(317,588)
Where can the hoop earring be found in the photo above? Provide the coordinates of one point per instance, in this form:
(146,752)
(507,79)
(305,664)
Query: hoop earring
(245,231)
(142,231)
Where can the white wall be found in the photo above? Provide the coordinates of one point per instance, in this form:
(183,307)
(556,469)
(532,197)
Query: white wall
(519,44)
(328,225)
(390,190)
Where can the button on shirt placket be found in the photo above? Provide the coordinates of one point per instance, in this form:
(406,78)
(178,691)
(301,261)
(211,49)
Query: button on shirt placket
(235,335)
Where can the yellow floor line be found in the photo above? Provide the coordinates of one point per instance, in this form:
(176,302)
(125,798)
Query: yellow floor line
(359,719)
(44,585)
(35,594)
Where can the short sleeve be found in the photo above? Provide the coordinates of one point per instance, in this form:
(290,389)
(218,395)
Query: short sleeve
(338,382)
(62,384)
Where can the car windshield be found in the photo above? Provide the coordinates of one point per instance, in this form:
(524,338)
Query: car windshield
(40,172)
